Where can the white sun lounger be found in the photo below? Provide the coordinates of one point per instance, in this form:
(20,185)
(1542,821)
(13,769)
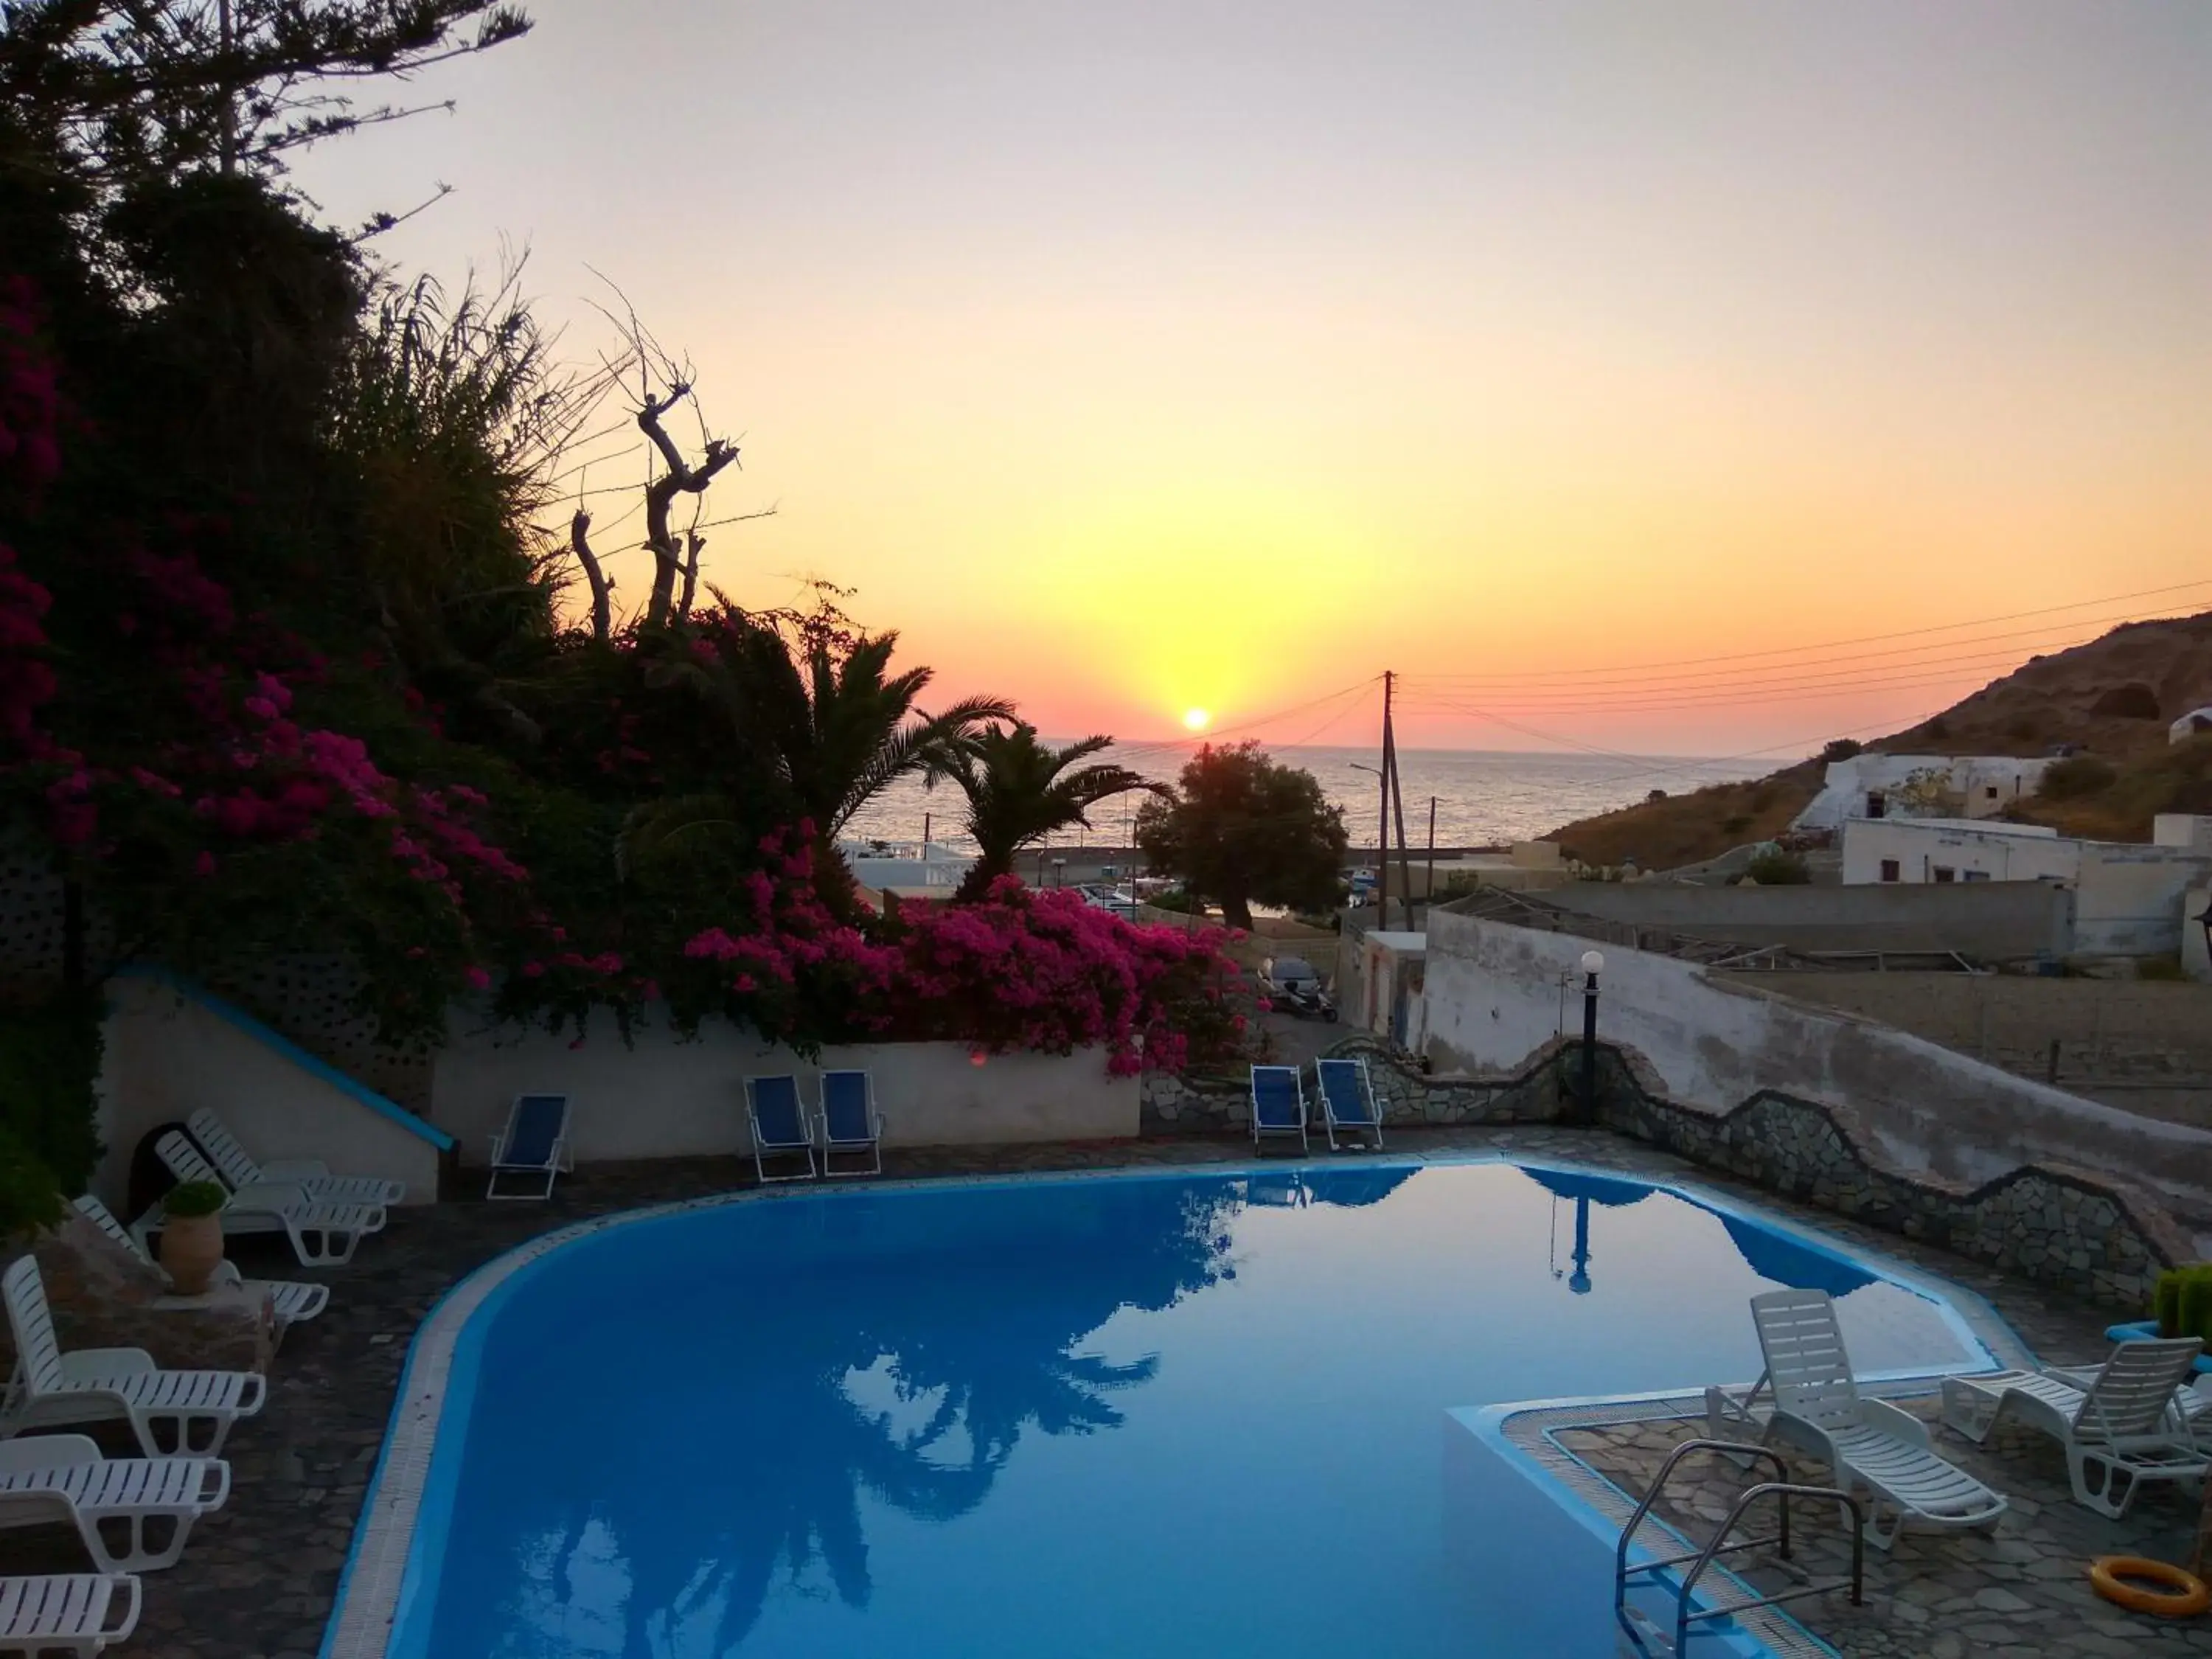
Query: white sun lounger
(311,1176)
(1347,1102)
(89,1384)
(64,1478)
(2126,1428)
(850,1122)
(1278,1103)
(322,1235)
(293,1302)
(535,1144)
(779,1125)
(1867,1442)
(76,1614)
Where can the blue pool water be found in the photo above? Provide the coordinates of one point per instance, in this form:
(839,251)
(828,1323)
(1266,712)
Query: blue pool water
(1168,1416)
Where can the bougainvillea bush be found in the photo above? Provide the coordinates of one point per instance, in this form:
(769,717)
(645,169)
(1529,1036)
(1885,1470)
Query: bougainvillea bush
(1022,969)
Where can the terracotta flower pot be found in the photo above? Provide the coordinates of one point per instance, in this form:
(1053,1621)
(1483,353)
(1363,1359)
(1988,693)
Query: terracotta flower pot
(191,1250)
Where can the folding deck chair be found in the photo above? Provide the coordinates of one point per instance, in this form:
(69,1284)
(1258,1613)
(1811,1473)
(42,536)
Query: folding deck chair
(1278,1103)
(779,1125)
(850,1122)
(534,1143)
(78,1613)
(1347,1102)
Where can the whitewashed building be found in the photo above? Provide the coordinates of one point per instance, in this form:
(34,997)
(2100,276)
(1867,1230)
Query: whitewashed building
(2127,896)
(1920,786)
(2190,725)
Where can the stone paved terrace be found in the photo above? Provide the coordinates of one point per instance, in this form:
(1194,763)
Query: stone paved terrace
(258,1579)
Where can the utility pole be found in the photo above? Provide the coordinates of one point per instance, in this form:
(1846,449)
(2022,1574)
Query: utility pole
(1433,850)
(1392,796)
(1382,814)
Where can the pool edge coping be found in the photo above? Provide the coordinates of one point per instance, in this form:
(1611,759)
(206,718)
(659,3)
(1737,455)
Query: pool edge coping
(366,1604)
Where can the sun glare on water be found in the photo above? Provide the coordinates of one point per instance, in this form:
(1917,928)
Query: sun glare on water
(1196,720)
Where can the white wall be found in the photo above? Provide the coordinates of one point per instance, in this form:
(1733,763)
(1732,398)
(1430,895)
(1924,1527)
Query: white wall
(1984,785)
(666,1097)
(2128,902)
(2185,830)
(169,1053)
(1493,996)
(2009,853)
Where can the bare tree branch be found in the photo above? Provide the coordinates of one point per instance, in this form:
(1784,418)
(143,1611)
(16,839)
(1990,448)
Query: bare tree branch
(602,608)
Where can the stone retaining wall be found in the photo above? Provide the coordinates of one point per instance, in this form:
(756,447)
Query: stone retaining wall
(2088,1234)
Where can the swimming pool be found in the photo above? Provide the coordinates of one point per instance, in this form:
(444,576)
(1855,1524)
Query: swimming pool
(1165,1415)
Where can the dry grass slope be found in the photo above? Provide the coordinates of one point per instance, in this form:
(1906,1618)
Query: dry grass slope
(2112,698)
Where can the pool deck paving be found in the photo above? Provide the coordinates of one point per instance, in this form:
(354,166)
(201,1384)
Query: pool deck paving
(258,1578)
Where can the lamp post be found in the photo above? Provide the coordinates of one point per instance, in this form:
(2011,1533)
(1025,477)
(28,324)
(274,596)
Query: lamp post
(1593,965)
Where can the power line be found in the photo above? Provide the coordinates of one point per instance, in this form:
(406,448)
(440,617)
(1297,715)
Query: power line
(1875,639)
(1932,652)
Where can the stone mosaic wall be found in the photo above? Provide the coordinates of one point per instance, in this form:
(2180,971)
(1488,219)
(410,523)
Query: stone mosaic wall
(2089,1235)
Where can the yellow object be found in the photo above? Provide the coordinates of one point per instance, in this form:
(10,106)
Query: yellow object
(2184,1594)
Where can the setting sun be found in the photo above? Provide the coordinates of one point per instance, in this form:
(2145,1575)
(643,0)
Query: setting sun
(1196,720)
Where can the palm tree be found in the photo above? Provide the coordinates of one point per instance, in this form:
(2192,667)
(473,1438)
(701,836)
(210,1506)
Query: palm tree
(813,714)
(1019,791)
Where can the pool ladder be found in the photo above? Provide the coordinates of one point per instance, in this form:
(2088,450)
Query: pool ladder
(1727,1596)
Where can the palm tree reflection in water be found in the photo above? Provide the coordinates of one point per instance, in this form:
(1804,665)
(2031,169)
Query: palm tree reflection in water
(912,1387)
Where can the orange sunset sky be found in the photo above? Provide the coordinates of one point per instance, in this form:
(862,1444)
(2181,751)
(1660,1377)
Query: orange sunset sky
(1177,353)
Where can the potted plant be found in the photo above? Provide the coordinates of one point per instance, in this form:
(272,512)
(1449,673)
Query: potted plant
(191,1234)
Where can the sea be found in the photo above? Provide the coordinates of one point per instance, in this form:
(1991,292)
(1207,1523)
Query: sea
(1480,798)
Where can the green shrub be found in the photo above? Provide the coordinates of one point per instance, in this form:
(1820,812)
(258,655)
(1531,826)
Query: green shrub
(1842,749)
(49,1057)
(1779,869)
(29,1197)
(194,1197)
(2075,777)
(2165,969)
(1736,823)
(2183,1302)
(1175,899)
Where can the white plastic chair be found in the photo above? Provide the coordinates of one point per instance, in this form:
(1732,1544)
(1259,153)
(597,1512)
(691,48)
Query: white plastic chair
(1278,1103)
(64,1478)
(89,1384)
(293,1302)
(2126,1428)
(1867,1442)
(321,1234)
(79,1614)
(311,1176)
(535,1143)
(1347,1102)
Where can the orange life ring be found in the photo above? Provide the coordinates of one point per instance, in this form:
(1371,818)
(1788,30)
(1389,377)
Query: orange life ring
(2185,1596)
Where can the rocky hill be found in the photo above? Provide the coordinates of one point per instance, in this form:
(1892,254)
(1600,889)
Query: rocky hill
(2111,698)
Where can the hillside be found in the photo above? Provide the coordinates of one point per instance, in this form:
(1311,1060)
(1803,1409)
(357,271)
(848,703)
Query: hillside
(2112,698)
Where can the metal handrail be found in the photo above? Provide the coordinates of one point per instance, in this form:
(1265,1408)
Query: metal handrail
(1620,1568)
(1784,1490)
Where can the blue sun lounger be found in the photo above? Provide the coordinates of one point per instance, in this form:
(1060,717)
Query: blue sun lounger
(1348,1103)
(535,1143)
(850,1122)
(1278,1103)
(779,1125)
